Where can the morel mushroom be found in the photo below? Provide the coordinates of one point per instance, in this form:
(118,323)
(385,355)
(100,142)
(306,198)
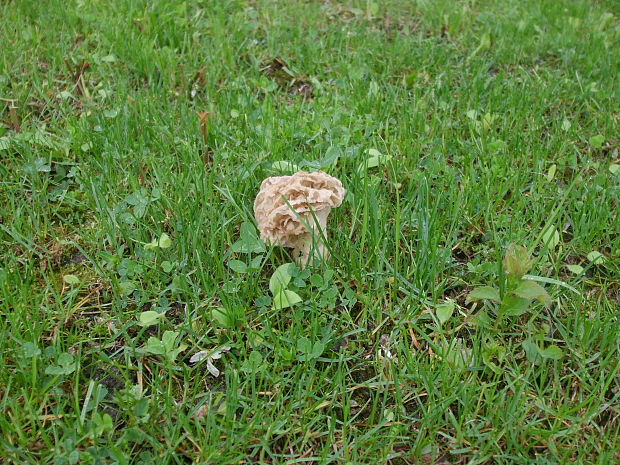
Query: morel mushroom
(287,205)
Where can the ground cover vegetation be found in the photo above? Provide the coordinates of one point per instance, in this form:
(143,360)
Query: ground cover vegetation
(469,311)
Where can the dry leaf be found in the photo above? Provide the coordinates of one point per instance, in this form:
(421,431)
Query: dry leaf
(204,354)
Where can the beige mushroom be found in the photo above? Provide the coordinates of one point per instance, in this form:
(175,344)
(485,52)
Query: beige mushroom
(286,205)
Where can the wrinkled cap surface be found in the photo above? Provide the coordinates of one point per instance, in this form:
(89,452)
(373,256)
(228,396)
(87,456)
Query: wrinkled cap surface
(305,192)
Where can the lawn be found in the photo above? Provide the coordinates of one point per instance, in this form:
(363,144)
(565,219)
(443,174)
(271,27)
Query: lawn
(469,311)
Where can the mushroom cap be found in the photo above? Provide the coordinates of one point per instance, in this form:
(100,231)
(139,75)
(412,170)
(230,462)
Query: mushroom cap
(305,192)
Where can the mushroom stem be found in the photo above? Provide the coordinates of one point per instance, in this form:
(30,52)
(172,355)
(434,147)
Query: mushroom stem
(308,251)
(310,247)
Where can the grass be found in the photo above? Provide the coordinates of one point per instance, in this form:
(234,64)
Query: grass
(497,124)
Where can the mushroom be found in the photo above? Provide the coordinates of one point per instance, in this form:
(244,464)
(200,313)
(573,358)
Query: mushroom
(287,205)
